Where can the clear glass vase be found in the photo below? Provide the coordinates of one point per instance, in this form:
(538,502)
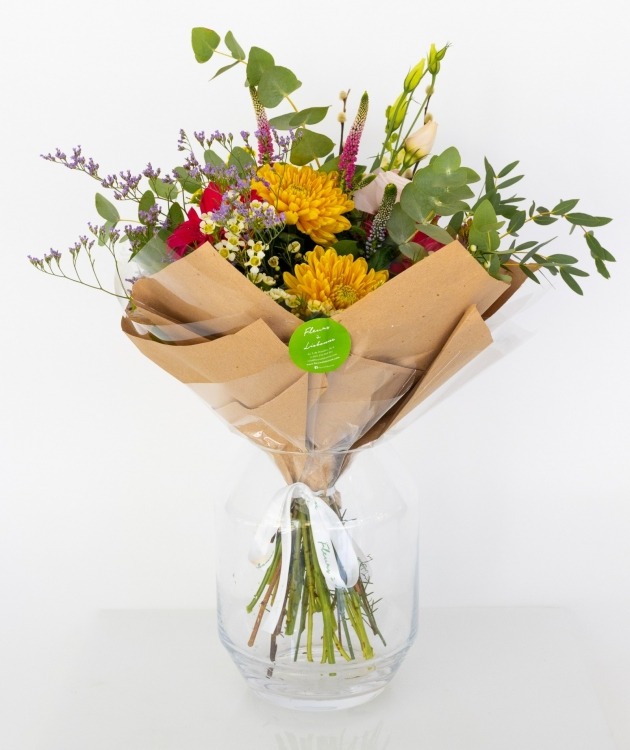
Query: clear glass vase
(317,575)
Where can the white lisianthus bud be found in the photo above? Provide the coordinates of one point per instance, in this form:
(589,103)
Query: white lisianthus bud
(370,197)
(420,143)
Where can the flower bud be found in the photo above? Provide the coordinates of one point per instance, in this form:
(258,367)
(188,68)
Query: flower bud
(341,117)
(396,113)
(420,143)
(414,76)
(343,95)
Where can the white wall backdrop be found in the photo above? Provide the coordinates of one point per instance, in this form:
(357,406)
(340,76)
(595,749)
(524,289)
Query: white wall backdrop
(110,467)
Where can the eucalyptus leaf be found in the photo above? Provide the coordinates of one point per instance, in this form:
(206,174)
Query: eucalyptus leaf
(570,281)
(176,215)
(165,190)
(435,233)
(259,60)
(565,206)
(347,247)
(413,250)
(506,170)
(309,146)
(189,184)
(401,227)
(584,220)
(147,200)
(562,260)
(509,182)
(204,43)
(241,159)
(275,84)
(223,69)
(211,158)
(106,209)
(234,47)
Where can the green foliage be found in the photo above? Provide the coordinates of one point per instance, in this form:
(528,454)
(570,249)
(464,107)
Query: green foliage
(309,146)
(275,84)
(106,210)
(439,189)
(293,120)
(204,43)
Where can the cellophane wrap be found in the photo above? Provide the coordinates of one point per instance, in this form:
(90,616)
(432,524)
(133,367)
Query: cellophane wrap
(210,327)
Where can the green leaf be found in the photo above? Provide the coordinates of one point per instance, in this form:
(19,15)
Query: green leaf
(413,250)
(562,260)
(438,189)
(147,200)
(332,165)
(584,220)
(601,268)
(211,158)
(400,226)
(490,175)
(516,222)
(597,251)
(107,210)
(455,224)
(544,220)
(241,159)
(276,83)
(435,233)
(223,69)
(308,146)
(509,182)
(259,60)
(176,215)
(234,47)
(204,43)
(483,230)
(165,190)
(507,170)
(292,120)
(575,271)
(186,181)
(565,206)
(529,273)
(570,281)
(347,247)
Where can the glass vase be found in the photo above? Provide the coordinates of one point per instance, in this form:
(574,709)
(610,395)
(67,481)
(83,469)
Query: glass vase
(317,575)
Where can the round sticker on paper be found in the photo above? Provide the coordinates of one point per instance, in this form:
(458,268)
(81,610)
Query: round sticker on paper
(320,345)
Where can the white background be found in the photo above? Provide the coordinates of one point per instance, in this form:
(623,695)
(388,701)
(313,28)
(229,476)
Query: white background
(110,467)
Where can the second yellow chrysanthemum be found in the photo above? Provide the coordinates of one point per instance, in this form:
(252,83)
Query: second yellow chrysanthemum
(311,200)
(329,282)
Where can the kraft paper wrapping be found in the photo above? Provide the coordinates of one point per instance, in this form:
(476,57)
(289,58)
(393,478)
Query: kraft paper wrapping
(408,337)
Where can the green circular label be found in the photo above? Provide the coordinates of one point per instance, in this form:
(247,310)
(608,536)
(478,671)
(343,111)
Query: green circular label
(320,345)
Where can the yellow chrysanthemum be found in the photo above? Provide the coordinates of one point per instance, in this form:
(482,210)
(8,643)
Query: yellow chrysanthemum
(329,282)
(311,200)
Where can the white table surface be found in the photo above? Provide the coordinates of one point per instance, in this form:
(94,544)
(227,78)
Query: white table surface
(504,678)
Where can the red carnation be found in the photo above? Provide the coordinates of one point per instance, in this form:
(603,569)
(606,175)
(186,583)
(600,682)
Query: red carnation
(188,233)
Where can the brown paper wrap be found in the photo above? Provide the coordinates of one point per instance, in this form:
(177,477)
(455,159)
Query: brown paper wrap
(203,322)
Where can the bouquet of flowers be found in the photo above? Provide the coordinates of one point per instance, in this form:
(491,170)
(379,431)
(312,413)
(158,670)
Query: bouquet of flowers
(314,301)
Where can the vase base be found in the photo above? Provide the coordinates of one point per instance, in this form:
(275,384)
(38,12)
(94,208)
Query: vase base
(313,686)
(314,704)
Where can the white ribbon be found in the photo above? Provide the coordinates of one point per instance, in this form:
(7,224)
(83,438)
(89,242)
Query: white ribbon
(335,550)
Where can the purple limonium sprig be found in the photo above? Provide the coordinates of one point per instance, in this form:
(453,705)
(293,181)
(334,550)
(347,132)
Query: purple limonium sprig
(263,133)
(378,231)
(348,158)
